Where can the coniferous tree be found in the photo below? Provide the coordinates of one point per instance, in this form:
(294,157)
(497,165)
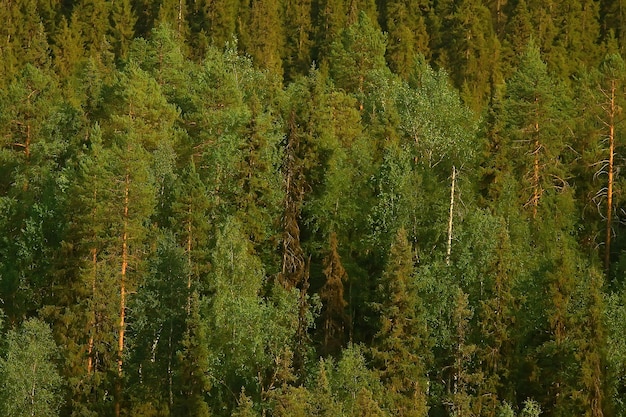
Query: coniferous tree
(407,34)
(612,73)
(68,47)
(330,18)
(472,49)
(93,19)
(158,313)
(332,295)
(24,39)
(247,334)
(519,30)
(298,34)
(576,43)
(139,131)
(534,107)
(212,22)
(122,27)
(497,324)
(263,37)
(173,14)
(192,375)
(463,377)
(401,346)
(355,57)
(32,156)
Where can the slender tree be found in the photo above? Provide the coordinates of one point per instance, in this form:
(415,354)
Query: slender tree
(332,295)
(31,384)
(401,346)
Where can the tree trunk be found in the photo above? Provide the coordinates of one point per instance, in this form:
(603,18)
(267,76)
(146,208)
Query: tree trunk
(609,191)
(189,263)
(94,277)
(120,346)
(451,217)
(536,173)
(92,319)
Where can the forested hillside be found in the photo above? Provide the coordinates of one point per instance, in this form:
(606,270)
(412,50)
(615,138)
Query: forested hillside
(312,208)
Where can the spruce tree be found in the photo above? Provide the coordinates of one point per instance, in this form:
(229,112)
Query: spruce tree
(332,295)
(262,36)
(123,27)
(356,55)
(407,34)
(401,347)
(298,33)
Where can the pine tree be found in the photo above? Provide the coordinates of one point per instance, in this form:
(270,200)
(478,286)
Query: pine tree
(212,22)
(139,132)
(31,156)
(24,39)
(535,108)
(158,313)
(519,30)
(613,71)
(330,18)
(91,304)
(592,351)
(463,377)
(192,377)
(471,50)
(497,325)
(578,36)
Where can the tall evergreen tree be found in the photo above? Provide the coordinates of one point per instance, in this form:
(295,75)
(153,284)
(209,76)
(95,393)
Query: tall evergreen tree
(262,36)
(534,107)
(355,57)
(298,34)
(94,24)
(401,347)
(332,295)
(407,33)
(123,26)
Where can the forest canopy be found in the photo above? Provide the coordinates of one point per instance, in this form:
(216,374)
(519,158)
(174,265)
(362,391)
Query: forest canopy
(312,208)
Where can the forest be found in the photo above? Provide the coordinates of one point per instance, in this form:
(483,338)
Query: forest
(293,208)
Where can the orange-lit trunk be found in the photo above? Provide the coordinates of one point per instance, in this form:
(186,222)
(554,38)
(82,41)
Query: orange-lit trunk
(120,346)
(92,321)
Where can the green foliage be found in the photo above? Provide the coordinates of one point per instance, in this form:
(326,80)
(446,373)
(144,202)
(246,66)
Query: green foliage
(181,212)
(401,347)
(31,384)
(536,111)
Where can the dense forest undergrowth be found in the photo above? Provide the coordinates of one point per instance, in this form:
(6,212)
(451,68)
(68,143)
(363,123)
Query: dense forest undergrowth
(312,208)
